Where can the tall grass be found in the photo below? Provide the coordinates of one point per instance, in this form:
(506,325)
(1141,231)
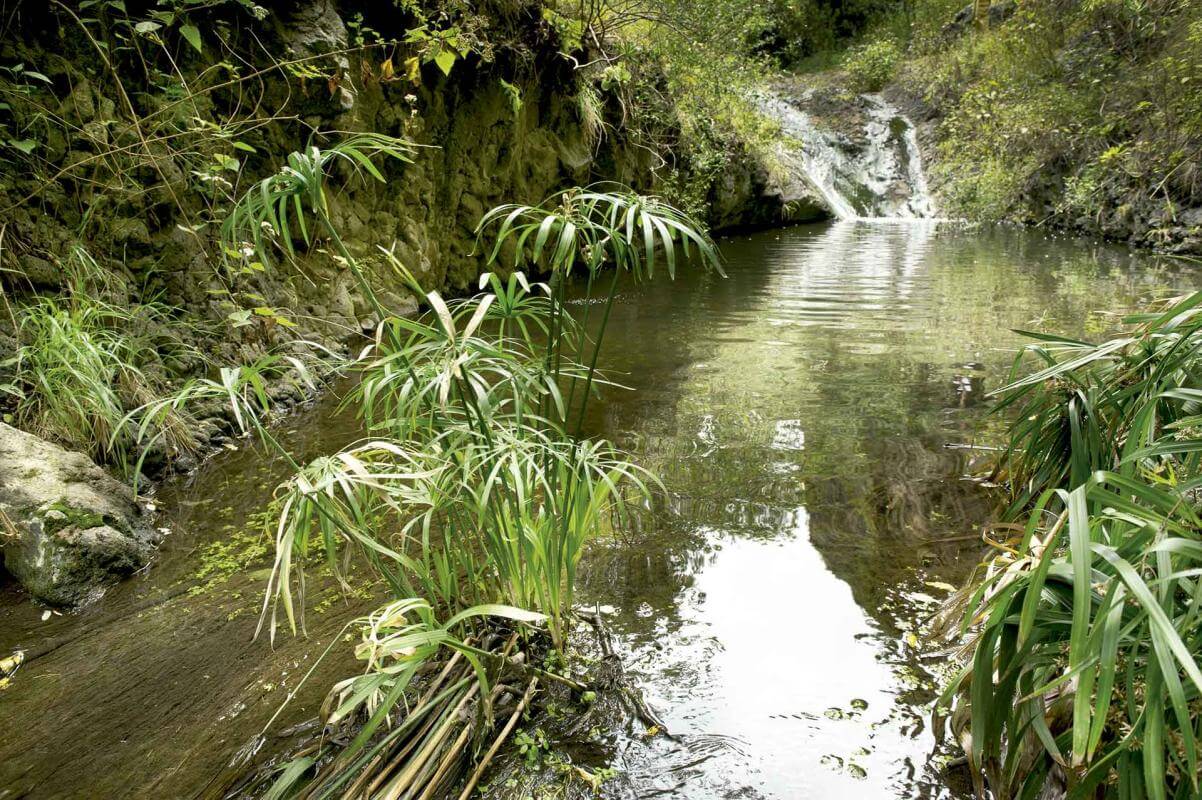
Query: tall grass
(82,365)
(475,495)
(1085,628)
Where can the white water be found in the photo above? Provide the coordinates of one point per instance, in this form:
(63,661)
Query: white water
(876,176)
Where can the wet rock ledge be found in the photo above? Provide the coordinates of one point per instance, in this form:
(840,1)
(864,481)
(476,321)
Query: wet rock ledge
(66,526)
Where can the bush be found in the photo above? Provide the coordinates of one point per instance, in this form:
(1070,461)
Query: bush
(1083,623)
(871,66)
(83,366)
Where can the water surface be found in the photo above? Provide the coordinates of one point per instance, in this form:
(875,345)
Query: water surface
(800,413)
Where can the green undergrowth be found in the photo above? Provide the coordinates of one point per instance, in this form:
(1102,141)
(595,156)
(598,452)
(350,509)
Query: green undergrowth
(1083,626)
(1079,114)
(83,362)
(680,82)
(1082,113)
(475,494)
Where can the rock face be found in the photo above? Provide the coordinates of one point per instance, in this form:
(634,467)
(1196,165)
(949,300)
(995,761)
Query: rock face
(66,526)
(746,196)
(507,129)
(856,155)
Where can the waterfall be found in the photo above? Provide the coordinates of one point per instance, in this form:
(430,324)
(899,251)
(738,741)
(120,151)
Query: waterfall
(873,173)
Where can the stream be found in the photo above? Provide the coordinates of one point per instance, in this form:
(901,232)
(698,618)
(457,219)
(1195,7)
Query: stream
(774,609)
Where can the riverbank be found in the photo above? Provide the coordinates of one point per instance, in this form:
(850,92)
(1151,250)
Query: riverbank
(811,422)
(159,687)
(1079,117)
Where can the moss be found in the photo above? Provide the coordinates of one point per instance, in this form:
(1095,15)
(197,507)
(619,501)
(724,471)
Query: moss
(236,552)
(60,516)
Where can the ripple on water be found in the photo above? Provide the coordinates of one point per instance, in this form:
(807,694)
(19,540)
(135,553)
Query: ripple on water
(773,607)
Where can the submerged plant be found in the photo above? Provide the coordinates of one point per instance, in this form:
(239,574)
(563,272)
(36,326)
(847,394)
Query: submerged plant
(1086,628)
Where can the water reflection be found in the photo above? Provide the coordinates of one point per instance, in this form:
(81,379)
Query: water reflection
(798,413)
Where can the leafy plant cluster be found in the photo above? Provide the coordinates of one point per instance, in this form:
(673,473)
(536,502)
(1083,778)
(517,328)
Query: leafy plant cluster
(129,125)
(474,495)
(1082,111)
(83,364)
(135,132)
(870,66)
(138,115)
(1085,626)
(808,33)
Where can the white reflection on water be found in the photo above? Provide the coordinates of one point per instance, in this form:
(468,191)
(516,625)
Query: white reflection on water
(795,669)
(772,608)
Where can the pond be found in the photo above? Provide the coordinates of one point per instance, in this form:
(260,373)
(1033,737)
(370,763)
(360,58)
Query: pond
(812,416)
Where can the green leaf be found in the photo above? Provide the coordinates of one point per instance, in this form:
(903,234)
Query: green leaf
(445,60)
(495,610)
(192,34)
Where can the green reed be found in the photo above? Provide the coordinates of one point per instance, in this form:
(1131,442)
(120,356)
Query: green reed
(475,494)
(1085,627)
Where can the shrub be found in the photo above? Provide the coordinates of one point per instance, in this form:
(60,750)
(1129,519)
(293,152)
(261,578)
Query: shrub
(83,366)
(477,493)
(1083,625)
(871,66)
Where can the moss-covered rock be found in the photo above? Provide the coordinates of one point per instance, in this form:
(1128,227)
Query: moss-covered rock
(66,526)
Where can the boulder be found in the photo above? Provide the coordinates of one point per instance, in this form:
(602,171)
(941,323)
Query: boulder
(315,28)
(998,13)
(67,528)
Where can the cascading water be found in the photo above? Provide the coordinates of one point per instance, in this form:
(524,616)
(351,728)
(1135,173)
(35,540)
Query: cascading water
(877,174)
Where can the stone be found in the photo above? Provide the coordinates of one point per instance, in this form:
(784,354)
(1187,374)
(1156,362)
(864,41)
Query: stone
(966,16)
(41,272)
(315,28)
(67,527)
(129,231)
